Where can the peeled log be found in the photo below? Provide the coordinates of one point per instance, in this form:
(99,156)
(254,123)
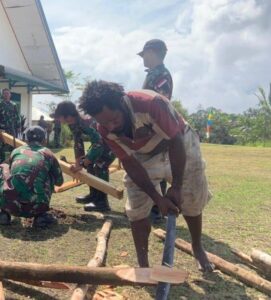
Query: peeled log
(82,175)
(84,275)
(228,268)
(97,260)
(262,261)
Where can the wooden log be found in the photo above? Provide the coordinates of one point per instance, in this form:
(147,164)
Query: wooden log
(2,293)
(67,185)
(98,258)
(243,257)
(163,288)
(262,261)
(84,275)
(226,267)
(82,175)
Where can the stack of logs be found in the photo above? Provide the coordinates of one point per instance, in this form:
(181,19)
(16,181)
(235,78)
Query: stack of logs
(259,260)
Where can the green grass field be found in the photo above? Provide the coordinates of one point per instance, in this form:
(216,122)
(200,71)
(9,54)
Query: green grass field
(238,216)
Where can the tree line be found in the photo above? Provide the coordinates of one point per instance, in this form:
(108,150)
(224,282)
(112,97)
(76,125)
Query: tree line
(252,127)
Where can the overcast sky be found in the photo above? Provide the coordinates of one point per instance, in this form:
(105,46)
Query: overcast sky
(218,50)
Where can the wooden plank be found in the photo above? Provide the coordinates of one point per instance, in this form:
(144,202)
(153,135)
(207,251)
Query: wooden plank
(84,275)
(163,288)
(67,185)
(226,267)
(82,175)
(97,260)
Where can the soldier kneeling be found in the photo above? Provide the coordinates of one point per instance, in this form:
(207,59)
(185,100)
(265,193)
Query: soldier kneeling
(27,182)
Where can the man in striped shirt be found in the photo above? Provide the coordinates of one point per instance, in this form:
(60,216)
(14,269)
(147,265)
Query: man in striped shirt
(153,142)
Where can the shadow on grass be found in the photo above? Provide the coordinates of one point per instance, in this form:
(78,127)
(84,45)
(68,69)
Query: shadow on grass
(81,222)
(26,291)
(207,285)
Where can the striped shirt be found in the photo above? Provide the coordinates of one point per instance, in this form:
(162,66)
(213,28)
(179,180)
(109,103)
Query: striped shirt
(154,123)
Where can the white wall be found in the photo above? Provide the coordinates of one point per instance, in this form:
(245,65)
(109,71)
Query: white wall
(10,53)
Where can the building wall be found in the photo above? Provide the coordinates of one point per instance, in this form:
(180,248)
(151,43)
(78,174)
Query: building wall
(10,52)
(26,101)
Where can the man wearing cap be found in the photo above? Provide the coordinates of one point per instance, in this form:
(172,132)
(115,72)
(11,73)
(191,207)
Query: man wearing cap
(10,120)
(27,182)
(159,80)
(158,76)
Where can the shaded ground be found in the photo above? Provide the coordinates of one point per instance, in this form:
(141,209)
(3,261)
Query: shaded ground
(238,216)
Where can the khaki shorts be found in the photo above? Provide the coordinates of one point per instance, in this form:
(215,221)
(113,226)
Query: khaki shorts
(195,194)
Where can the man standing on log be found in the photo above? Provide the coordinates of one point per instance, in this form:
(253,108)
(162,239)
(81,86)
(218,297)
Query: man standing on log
(98,158)
(153,142)
(10,120)
(158,79)
(27,182)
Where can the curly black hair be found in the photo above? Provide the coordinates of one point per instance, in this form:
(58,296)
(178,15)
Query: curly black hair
(98,94)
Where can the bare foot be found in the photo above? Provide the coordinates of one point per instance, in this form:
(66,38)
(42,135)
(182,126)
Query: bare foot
(204,264)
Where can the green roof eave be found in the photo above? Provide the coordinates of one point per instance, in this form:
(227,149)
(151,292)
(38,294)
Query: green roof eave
(24,79)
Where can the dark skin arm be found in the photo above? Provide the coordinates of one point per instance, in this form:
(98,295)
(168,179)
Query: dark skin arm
(177,159)
(140,177)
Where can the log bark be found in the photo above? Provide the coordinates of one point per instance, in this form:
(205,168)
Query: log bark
(97,260)
(82,175)
(163,288)
(84,275)
(226,267)
(2,294)
(262,261)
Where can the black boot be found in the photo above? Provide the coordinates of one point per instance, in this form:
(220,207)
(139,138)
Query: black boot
(91,197)
(100,204)
(44,220)
(5,218)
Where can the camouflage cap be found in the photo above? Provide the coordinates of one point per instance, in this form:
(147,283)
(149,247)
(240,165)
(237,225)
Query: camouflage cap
(35,134)
(154,44)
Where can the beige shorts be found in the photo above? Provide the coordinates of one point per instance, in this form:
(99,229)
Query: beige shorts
(195,194)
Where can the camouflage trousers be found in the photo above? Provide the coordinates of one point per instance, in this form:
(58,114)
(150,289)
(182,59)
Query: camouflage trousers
(101,170)
(10,200)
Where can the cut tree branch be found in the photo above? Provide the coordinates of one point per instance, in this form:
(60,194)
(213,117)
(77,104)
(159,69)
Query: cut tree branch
(98,258)
(231,269)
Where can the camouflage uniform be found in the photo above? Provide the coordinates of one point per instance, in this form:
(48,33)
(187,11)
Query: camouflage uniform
(10,122)
(57,132)
(27,183)
(159,80)
(99,153)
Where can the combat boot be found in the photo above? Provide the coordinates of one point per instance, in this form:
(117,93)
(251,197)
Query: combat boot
(44,220)
(91,197)
(5,218)
(100,204)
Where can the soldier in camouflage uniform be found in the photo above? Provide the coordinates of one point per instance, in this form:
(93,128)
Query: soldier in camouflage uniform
(97,159)
(27,182)
(158,76)
(159,80)
(10,121)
